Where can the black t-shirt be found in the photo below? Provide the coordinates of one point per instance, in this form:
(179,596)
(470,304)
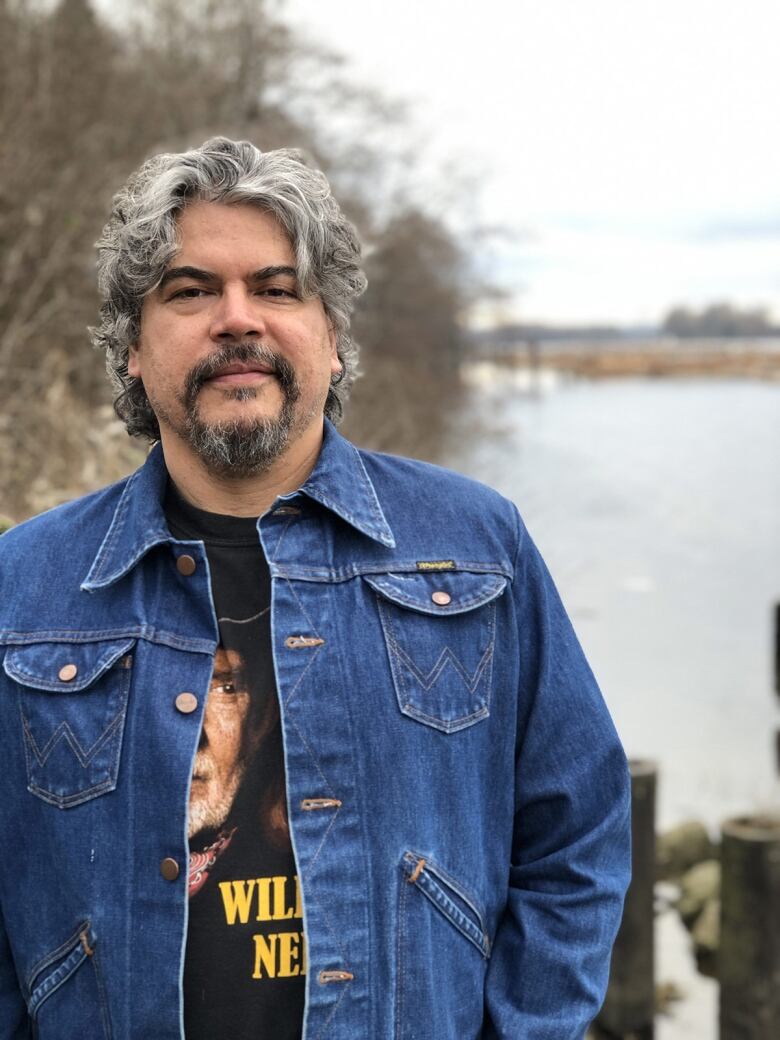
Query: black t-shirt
(245,965)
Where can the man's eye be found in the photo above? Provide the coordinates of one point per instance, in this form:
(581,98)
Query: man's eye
(192,292)
(278,292)
(227,687)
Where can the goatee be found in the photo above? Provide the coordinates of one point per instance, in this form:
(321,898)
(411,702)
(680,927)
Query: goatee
(240,447)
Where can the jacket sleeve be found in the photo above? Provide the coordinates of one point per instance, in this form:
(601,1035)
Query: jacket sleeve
(14,1020)
(570,861)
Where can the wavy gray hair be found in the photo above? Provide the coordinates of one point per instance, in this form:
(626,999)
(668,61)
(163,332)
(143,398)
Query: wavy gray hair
(140,239)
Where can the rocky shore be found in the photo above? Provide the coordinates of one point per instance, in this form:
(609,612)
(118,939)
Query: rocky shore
(688,873)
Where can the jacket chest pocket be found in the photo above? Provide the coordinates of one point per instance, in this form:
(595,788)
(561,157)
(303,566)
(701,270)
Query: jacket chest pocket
(72,703)
(440,632)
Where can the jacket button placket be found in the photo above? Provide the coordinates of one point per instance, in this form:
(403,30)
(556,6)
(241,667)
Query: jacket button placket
(321,780)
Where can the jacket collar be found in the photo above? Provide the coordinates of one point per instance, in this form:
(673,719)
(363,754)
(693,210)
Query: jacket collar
(339,482)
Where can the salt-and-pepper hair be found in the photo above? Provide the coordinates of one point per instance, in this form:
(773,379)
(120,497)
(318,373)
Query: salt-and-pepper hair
(140,240)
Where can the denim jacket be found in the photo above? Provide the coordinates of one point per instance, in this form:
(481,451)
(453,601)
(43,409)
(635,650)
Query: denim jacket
(458,797)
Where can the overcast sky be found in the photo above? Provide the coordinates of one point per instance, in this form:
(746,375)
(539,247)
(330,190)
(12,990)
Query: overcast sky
(631,147)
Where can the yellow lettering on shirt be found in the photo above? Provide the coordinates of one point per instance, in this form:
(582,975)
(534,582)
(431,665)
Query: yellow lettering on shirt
(269,893)
(281,955)
(237,899)
(265,956)
(282,912)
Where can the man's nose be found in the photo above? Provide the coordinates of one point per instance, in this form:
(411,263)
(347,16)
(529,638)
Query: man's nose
(204,730)
(237,316)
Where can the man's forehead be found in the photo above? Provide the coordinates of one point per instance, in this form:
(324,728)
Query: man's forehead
(201,219)
(217,237)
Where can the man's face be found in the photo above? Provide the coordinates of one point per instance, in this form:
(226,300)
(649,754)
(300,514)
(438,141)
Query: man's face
(224,744)
(235,364)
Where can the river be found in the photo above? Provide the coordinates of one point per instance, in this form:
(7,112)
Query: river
(656,504)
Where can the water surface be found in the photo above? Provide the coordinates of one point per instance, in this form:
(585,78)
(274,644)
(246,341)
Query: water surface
(656,504)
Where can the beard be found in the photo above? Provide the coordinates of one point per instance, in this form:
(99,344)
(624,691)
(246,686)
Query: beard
(240,447)
(209,811)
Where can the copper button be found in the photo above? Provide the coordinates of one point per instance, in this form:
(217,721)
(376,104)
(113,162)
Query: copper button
(169,869)
(185,565)
(441,599)
(186,703)
(68,672)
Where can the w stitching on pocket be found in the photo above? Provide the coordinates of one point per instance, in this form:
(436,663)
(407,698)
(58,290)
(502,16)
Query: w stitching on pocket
(400,661)
(447,655)
(36,757)
(64,732)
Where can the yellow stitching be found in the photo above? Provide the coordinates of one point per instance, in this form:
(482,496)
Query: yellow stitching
(320,803)
(335,976)
(300,642)
(416,872)
(435,565)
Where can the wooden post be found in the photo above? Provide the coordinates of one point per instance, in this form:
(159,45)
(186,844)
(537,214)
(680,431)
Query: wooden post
(630,1002)
(749,956)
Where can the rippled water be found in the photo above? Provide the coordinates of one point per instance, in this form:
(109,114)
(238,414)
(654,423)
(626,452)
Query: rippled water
(656,504)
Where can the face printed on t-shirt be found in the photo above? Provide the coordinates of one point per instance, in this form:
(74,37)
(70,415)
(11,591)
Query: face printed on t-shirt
(222,753)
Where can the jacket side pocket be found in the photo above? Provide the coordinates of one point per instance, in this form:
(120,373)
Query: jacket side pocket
(442,954)
(65,991)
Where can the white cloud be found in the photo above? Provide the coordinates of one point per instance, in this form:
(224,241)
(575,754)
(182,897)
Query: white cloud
(609,120)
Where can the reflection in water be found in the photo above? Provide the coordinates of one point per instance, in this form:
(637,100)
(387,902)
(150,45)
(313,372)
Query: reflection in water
(657,506)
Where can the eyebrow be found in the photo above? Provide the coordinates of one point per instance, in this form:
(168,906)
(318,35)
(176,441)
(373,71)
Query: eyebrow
(197,274)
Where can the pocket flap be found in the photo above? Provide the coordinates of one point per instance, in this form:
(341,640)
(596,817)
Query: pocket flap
(441,593)
(63,667)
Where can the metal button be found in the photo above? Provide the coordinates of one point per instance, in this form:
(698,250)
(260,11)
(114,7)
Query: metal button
(169,869)
(68,672)
(186,703)
(186,565)
(441,599)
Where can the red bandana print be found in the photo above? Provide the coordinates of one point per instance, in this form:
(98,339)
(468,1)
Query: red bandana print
(202,862)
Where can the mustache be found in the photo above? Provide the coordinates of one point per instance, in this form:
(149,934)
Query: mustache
(244,353)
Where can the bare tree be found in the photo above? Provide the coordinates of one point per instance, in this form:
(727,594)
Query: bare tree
(82,102)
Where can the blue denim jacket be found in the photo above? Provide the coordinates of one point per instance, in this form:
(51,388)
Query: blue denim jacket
(458,797)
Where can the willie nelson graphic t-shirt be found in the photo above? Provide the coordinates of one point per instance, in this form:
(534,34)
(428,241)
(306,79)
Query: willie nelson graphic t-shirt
(245,965)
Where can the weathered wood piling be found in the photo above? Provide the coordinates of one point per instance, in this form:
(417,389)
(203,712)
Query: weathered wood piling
(630,1002)
(749,956)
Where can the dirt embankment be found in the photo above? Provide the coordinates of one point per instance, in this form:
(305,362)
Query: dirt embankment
(603,361)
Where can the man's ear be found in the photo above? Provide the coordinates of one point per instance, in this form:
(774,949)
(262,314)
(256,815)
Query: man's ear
(335,362)
(134,362)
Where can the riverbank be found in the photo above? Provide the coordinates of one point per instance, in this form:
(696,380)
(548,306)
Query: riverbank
(750,359)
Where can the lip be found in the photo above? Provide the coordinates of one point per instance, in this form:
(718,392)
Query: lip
(241,374)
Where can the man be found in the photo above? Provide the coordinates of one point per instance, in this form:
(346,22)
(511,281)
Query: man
(339,687)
